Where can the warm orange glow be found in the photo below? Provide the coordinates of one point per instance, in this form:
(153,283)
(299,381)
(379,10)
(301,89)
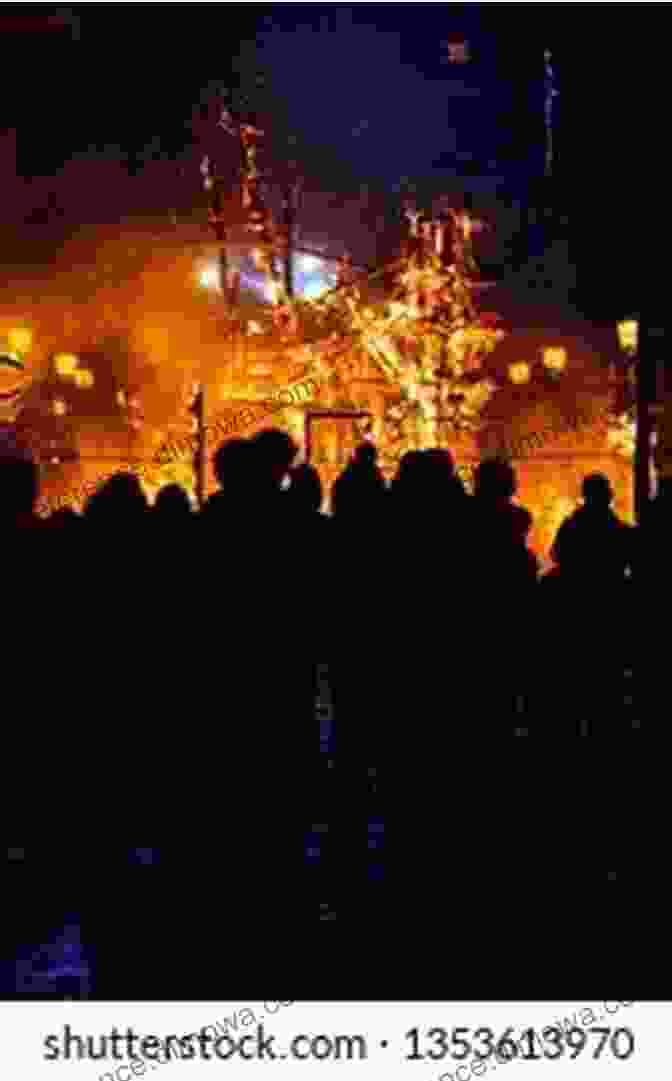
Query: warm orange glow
(20,340)
(519,373)
(12,373)
(59,407)
(84,379)
(66,364)
(555,359)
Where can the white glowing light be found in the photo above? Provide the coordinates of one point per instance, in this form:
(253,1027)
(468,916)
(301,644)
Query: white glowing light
(209,277)
(309,264)
(315,289)
(272,291)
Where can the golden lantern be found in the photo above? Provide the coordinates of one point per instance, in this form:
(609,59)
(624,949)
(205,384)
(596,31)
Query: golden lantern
(66,364)
(59,407)
(84,379)
(555,359)
(20,340)
(628,335)
(519,372)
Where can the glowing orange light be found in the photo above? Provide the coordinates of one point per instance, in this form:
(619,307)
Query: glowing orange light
(20,340)
(555,359)
(519,373)
(66,364)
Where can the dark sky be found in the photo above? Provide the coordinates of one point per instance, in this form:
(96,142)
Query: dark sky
(369,80)
(365,87)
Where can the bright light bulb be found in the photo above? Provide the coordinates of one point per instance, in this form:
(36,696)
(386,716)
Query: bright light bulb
(209,277)
(66,363)
(272,291)
(309,264)
(20,340)
(519,373)
(628,335)
(555,358)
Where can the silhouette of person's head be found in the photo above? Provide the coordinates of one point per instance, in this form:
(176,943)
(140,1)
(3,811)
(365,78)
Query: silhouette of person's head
(120,499)
(306,489)
(230,463)
(173,502)
(273,453)
(439,463)
(409,472)
(597,491)
(441,458)
(366,454)
(495,479)
(63,518)
(20,487)
(521,524)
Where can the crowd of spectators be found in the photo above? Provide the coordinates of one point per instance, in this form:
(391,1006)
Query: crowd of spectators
(162,663)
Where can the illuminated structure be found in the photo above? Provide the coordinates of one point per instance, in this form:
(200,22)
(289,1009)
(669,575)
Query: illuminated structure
(411,363)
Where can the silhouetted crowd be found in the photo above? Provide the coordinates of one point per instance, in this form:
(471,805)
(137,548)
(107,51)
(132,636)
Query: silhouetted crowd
(162,661)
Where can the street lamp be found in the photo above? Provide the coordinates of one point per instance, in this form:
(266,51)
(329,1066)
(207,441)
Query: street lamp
(66,364)
(628,336)
(20,340)
(519,373)
(555,359)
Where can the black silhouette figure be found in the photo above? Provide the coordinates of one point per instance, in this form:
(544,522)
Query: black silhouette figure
(261,646)
(173,506)
(119,503)
(273,452)
(233,475)
(593,541)
(305,498)
(584,603)
(65,519)
(306,489)
(20,489)
(495,486)
(22,541)
(360,491)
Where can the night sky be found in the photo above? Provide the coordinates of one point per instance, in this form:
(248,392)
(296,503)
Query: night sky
(366,89)
(369,81)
